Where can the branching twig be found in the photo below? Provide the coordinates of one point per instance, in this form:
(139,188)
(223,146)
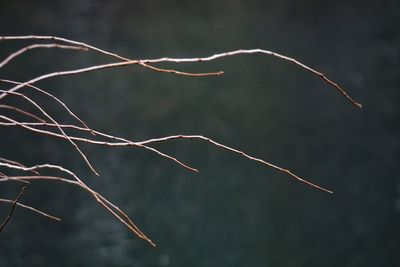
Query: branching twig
(126,142)
(258,51)
(145,62)
(90,141)
(234,150)
(48,125)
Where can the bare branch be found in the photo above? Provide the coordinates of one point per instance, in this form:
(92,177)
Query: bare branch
(234,150)
(55,122)
(50,127)
(124,142)
(12,209)
(32,209)
(24,112)
(162,139)
(113,209)
(258,51)
(5,178)
(218,73)
(65,40)
(35,46)
(144,62)
(16,163)
(53,97)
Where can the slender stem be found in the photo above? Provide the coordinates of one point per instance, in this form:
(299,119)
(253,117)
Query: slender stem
(14,203)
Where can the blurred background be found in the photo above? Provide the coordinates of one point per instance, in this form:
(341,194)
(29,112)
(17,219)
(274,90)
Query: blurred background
(234,212)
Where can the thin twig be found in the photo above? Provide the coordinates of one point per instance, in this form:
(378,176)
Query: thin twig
(125,142)
(258,51)
(24,112)
(234,150)
(191,74)
(60,39)
(11,178)
(98,67)
(162,139)
(116,141)
(56,123)
(145,62)
(35,46)
(32,209)
(12,209)
(123,217)
(17,163)
(53,97)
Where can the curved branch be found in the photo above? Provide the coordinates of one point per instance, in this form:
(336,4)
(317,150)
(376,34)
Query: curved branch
(35,46)
(144,62)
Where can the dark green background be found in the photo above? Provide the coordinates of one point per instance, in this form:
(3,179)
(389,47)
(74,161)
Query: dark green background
(235,212)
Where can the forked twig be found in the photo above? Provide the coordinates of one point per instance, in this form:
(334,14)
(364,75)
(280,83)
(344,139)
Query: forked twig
(145,143)
(145,62)
(124,142)
(236,151)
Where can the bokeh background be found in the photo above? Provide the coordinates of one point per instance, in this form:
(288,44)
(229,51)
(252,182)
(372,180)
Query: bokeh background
(234,212)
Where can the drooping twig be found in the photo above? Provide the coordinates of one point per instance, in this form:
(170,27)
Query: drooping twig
(234,150)
(113,209)
(90,141)
(126,142)
(258,51)
(45,127)
(145,62)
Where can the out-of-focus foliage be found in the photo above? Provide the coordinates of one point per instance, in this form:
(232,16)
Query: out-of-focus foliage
(235,212)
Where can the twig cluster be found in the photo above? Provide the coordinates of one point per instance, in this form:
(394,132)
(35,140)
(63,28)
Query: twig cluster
(41,122)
